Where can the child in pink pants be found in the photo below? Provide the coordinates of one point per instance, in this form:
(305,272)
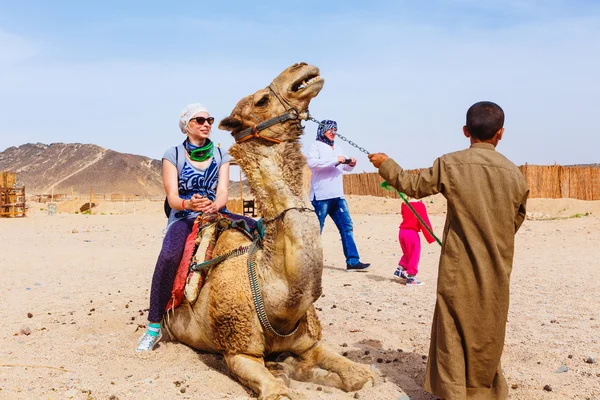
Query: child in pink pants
(410,242)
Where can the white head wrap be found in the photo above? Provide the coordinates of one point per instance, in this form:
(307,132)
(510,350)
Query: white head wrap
(188,113)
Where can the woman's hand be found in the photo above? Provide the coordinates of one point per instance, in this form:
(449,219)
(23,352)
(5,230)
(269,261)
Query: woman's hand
(202,204)
(209,207)
(196,203)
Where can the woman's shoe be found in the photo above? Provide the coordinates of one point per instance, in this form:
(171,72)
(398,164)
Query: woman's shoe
(147,341)
(358,267)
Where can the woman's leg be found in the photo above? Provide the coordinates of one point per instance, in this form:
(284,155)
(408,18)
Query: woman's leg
(166,267)
(322,210)
(340,214)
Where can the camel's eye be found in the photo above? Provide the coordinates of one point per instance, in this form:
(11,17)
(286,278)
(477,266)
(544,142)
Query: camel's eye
(263,101)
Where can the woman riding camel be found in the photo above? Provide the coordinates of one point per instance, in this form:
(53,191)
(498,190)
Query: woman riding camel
(196,179)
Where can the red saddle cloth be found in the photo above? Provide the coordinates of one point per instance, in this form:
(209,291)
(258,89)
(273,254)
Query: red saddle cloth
(177,294)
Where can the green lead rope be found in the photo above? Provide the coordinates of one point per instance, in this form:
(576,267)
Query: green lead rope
(387,186)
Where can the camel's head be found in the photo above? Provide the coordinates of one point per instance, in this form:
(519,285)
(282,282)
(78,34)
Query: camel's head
(293,88)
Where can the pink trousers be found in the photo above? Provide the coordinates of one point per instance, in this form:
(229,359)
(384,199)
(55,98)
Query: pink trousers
(410,242)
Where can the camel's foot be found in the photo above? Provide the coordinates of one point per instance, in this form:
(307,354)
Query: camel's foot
(357,377)
(304,371)
(276,397)
(352,376)
(279,370)
(251,372)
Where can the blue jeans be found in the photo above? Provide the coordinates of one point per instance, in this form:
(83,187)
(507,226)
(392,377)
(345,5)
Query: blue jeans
(337,209)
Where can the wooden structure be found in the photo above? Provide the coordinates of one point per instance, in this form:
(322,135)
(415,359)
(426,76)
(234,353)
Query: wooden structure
(241,206)
(249,208)
(12,198)
(550,182)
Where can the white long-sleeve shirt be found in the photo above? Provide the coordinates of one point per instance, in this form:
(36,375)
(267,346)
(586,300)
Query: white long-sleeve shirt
(326,181)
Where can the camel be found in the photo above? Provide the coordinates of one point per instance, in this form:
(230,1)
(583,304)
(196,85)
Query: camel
(288,264)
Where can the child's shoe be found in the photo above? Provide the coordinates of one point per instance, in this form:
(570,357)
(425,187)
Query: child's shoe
(412,280)
(401,273)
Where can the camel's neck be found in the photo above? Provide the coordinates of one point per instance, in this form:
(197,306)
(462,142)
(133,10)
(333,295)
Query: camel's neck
(292,255)
(275,174)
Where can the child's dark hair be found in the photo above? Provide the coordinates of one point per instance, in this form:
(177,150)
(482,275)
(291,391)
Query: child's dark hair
(484,119)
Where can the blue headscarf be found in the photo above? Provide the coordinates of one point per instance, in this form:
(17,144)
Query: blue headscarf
(324,126)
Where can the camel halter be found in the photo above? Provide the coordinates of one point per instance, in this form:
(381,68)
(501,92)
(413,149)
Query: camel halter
(291,113)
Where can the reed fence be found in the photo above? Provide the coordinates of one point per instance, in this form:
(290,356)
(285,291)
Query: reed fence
(551,182)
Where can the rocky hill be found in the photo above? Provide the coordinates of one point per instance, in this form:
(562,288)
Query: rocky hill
(74,167)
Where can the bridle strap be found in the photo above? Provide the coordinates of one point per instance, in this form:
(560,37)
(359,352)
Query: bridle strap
(285,102)
(291,113)
(254,132)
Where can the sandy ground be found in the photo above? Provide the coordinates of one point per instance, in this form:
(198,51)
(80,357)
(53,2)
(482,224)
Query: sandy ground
(75,289)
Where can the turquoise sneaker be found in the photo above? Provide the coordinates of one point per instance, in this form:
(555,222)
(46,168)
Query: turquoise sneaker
(147,341)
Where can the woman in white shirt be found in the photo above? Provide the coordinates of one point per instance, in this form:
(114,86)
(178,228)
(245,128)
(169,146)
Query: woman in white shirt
(327,189)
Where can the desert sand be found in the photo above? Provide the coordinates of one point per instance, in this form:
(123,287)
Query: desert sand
(75,291)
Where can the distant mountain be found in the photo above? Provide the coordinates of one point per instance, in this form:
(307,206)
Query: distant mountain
(76,167)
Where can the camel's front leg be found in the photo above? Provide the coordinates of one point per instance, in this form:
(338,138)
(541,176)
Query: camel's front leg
(251,371)
(354,376)
(305,371)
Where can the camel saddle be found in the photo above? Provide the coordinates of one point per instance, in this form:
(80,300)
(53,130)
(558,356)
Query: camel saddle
(198,252)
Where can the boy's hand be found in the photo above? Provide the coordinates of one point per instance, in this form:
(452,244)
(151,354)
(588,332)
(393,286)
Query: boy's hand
(377,159)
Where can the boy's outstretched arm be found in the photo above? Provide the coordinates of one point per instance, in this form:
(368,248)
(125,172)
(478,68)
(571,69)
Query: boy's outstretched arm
(426,183)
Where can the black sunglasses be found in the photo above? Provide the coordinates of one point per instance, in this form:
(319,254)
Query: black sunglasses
(202,120)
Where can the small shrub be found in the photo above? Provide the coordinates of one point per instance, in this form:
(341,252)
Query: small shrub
(580,215)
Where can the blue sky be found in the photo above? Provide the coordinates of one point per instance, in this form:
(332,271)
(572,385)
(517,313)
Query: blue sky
(400,75)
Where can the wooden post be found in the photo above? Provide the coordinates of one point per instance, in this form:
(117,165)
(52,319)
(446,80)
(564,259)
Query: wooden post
(241,191)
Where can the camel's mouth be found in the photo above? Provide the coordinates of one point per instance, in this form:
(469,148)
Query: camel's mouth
(305,82)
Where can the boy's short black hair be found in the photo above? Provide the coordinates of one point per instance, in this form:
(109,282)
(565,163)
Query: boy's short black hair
(484,119)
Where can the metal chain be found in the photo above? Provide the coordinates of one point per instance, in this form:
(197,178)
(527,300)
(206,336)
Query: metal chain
(350,142)
(259,303)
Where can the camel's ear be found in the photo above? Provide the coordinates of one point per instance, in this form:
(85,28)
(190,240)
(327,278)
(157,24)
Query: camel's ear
(230,124)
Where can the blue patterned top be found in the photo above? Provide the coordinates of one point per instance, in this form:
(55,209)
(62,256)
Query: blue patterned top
(194,180)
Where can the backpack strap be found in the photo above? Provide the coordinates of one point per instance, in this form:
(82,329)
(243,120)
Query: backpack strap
(179,161)
(220,157)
